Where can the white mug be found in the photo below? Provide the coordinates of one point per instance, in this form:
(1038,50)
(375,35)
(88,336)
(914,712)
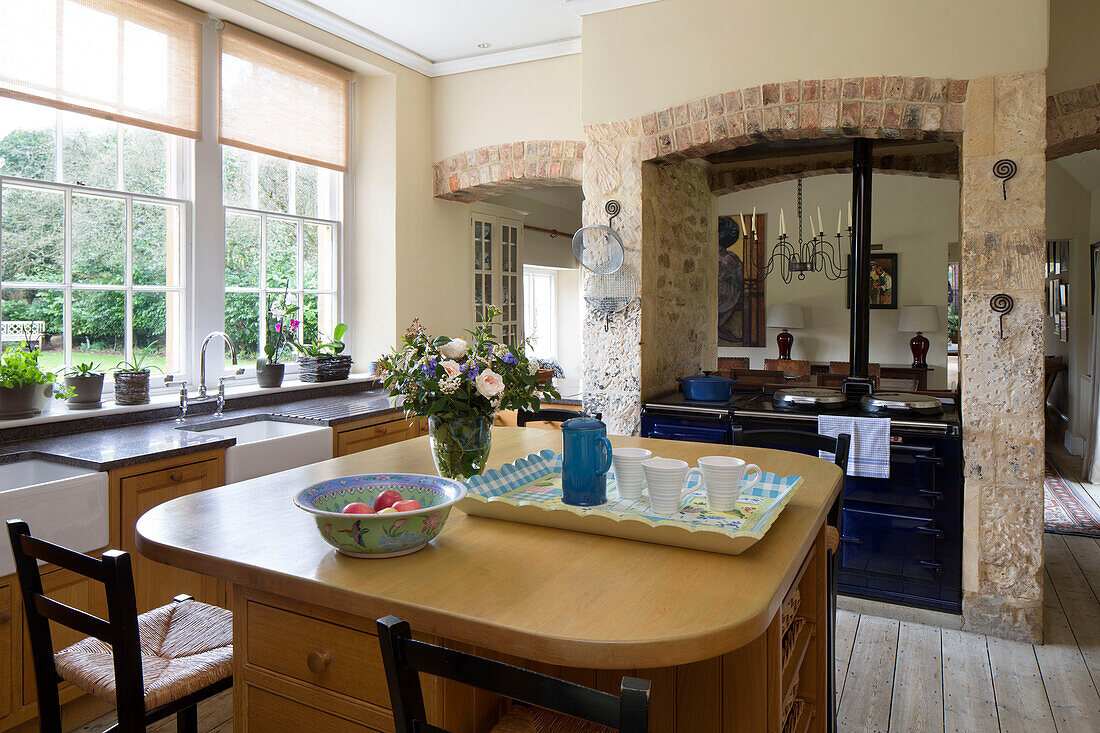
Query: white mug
(665,479)
(722,476)
(629,476)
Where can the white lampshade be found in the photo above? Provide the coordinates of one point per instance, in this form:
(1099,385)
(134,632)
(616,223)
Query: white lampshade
(785,315)
(919,318)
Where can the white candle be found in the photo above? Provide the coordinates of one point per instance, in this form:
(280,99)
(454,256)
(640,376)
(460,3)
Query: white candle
(838,213)
(782,224)
(754,219)
(743,224)
(820,226)
(849,214)
(810,218)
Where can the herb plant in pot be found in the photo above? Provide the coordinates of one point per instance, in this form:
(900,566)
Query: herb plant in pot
(132,378)
(458,385)
(322,361)
(24,387)
(86,382)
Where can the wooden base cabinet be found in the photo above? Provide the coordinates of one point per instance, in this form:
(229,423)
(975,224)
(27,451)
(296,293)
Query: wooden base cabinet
(137,489)
(7,650)
(298,667)
(375,432)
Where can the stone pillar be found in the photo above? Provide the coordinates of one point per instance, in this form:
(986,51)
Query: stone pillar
(1002,378)
(612,358)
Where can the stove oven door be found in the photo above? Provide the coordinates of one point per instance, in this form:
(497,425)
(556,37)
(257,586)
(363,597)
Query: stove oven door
(699,430)
(916,482)
(894,556)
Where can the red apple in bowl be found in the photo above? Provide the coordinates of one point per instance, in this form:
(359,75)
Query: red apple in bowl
(407,505)
(357,507)
(386,499)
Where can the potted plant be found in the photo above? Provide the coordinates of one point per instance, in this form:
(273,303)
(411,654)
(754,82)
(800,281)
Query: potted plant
(132,378)
(86,382)
(322,361)
(24,387)
(458,385)
(270,371)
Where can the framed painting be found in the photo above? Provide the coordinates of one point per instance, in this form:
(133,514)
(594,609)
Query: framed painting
(884,281)
(740,287)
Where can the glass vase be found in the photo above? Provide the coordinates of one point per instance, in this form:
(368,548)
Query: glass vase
(460,446)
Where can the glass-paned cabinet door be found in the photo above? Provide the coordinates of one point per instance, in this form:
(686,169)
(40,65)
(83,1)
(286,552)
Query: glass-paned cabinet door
(497,241)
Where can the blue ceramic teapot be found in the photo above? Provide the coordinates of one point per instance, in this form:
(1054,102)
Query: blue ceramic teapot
(586,458)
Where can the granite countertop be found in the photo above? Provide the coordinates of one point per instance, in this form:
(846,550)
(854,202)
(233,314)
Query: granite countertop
(114,446)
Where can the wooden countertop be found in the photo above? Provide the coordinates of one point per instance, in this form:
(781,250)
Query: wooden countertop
(535,592)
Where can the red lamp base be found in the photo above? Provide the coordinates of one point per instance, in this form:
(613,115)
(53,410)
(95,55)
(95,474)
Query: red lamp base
(919,346)
(785,341)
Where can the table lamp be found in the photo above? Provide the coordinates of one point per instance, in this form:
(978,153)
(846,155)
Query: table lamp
(784,316)
(919,318)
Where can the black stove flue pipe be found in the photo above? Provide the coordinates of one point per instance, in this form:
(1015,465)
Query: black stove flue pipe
(859,334)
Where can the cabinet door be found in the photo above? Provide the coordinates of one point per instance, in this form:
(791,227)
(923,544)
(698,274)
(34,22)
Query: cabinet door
(373,436)
(511,286)
(72,590)
(7,649)
(484,234)
(157,584)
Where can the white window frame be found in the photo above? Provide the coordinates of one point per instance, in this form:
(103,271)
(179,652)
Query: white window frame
(534,271)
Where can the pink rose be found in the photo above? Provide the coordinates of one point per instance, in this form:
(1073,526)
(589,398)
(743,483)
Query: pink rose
(489,384)
(451,367)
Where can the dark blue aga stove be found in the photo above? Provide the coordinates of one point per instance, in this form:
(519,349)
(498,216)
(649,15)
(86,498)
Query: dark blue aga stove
(901,537)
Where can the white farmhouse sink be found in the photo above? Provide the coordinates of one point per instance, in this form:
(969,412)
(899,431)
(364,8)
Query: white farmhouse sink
(62,504)
(269,446)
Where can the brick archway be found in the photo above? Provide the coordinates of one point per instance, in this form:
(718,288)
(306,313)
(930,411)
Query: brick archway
(492,170)
(1073,121)
(668,223)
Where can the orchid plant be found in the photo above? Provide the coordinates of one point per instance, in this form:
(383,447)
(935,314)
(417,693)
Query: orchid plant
(286,325)
(454,378)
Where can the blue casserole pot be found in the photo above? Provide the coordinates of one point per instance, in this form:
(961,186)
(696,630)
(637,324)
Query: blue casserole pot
(706,389)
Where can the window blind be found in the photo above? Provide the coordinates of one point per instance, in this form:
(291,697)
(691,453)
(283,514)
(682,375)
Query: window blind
(278,100)
(131,61)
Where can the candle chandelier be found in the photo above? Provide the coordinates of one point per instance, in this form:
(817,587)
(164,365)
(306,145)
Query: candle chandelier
(818,254)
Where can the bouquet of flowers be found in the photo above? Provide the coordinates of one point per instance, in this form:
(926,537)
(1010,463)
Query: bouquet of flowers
(458,384)
(459,378)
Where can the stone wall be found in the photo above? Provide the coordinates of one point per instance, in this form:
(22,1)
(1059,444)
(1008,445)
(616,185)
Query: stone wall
(679,275)
(495,169)
(1002,378)
(1002,246)
(1073,121)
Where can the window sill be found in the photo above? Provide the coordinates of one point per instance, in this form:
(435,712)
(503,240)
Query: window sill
(56,410)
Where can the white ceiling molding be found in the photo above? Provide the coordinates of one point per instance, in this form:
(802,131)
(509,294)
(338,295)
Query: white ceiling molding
(329,22)
(588,7)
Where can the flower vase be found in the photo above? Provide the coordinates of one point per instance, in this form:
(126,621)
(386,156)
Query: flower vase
(460,446)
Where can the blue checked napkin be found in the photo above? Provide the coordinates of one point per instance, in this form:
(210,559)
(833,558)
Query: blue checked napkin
(869,455)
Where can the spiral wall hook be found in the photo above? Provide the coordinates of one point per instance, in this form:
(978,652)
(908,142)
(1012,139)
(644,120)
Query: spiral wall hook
(612,207)
(1004,169)
(1002,303)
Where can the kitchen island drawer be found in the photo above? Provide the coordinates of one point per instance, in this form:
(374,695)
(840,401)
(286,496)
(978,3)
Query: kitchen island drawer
(317,652)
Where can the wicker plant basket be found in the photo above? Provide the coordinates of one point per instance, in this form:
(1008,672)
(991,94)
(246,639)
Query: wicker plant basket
(324,368)
(132,388)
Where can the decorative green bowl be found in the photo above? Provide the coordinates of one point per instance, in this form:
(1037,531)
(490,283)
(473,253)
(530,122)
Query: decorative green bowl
(380,535)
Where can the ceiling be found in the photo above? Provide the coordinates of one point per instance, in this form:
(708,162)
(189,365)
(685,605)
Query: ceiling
(1084,167)
(438,37)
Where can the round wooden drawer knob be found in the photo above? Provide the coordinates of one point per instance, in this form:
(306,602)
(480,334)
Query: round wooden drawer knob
(176,476)
(317,661)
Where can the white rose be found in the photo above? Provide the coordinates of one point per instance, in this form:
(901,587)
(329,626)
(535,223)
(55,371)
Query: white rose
(453,349)
(451,367)
(489,384)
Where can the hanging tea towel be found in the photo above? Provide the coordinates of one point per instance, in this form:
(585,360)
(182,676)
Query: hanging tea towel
(869,455)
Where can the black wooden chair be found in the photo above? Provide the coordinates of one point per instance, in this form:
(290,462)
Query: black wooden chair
(525,416)
(404,658)
(150,666)
(839,446)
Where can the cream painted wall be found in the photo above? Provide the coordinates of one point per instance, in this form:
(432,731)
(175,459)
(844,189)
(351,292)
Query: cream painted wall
(914,217)
(1074,58)
(537,100)
(1068,217)
(648,57)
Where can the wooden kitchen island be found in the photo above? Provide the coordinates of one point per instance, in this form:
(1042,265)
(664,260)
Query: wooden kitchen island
(730,643)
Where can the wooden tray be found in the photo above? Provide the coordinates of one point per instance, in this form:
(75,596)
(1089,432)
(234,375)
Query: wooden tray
(529,491)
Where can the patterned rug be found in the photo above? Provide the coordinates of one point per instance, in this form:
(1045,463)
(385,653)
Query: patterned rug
(1068,509)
